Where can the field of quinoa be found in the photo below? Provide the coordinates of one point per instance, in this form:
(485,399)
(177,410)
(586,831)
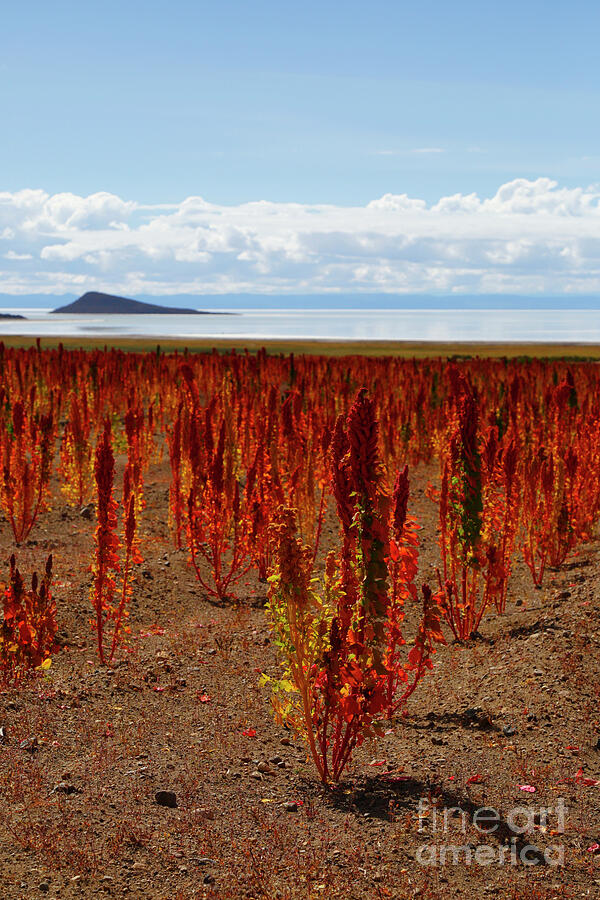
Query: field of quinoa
(279,626)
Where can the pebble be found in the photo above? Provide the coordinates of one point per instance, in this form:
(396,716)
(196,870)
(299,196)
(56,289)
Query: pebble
(204,813)
(64,787)
(166,798)
(508,730)
(209,879)
(265,768)
(256,775)
(44,887)
(290,806)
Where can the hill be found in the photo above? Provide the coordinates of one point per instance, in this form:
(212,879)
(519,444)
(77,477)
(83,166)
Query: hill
(96,303)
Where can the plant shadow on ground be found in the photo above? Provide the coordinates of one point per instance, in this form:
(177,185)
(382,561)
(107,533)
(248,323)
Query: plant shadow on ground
(384,797)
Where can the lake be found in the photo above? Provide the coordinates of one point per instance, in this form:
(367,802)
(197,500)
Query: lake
(498,325)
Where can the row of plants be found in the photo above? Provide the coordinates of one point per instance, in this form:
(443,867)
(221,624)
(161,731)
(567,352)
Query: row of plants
(261,449)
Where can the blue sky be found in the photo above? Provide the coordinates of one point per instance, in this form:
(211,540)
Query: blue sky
(312,102)
(317,104)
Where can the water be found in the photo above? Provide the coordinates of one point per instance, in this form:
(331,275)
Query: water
(528,325)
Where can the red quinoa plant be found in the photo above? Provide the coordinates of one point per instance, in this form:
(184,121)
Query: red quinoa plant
(27,447)
(335,639)
(176,502)
(549,531)
(76,457)
(110,594)
(477,516)
(28,625)
(218,526)
(403,567)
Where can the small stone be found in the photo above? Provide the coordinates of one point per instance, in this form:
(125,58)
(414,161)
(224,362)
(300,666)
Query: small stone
(285,741)
(87,512)
(29,744)
(256,775)
(44,887)
(209,879)
(508,730)
(276,760)
(205,861)
(205,813)
(265,768)
(64,787)
(3,738)
(166,798)
(290,806)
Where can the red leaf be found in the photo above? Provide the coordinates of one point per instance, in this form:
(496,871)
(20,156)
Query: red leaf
(588,782)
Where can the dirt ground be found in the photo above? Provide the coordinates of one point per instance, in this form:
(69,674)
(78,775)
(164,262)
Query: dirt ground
(85,749)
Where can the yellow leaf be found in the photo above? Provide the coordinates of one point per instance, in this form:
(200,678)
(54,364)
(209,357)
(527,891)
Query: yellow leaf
(46,664)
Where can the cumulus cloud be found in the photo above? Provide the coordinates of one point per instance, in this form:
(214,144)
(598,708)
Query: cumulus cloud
(531,236)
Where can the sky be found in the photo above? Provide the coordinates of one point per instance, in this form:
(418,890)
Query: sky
(184,146)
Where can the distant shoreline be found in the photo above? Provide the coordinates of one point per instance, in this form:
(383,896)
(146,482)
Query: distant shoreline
(573,351)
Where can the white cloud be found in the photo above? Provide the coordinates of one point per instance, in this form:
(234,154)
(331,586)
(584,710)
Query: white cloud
(13,255)
(531,236)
